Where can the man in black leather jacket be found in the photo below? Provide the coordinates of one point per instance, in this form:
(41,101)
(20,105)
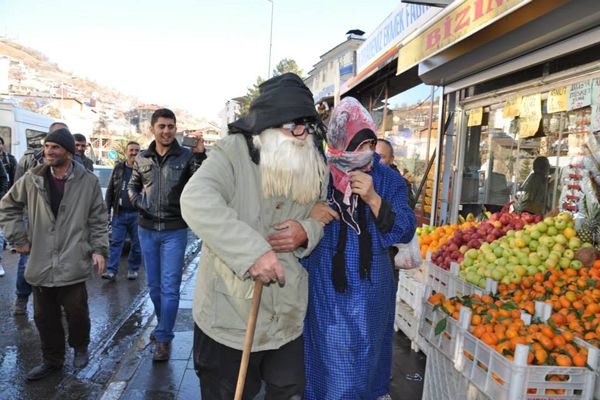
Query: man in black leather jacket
(159,175)
(124,217)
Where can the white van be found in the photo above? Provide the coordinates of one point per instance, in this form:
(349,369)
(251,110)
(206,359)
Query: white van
(22,129)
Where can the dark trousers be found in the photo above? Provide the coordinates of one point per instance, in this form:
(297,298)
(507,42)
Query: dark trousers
(218,366)
(48,319)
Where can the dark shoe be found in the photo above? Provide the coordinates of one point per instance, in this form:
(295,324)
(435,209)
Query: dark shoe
(109,275)
(162,351)
(42,371)
(20,307)
(132,275)
(81,358)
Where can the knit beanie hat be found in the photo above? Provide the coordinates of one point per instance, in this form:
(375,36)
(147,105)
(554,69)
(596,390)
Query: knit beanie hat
(63,138)
(284,98)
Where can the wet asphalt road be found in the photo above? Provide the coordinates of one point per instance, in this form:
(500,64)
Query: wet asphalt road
(110,303)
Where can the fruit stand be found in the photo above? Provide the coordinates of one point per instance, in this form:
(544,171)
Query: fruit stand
(507,307)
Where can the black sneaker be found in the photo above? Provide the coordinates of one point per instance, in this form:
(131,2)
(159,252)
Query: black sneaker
(132,275)
(109,275)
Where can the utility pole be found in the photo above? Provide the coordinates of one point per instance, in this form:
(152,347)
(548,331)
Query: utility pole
(270,40)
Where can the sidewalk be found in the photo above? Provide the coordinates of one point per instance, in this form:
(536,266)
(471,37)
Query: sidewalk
(138,377)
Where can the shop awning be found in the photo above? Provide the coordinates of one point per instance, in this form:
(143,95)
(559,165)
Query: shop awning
(455,23)
(518,28)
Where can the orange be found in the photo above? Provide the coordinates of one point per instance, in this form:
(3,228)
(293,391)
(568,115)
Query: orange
(490,338)
(579,360)
(541,356)
(563,360)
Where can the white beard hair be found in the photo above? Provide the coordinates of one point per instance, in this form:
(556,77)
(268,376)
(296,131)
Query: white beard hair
(289,167)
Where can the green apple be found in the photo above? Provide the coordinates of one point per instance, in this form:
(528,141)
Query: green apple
(541,226)
(467,262)
(542,269)
(532,270)
(520,270)
(549,221)
(560,223)
(574,243)
(536,234)
(514,277)
(534,259)
(586,245)
(526,239)
(498,251)
(564,262)
(547,241)
(506,280)
(513,259)
(552,231)
(490,257)
(472,254)
(558,248)
(510,266)
(551,263)
(533,245)
(576,264)
(569,253)
(524,260)
(560,239)
(510,234)
(482,282)
(501,261)
(497,275)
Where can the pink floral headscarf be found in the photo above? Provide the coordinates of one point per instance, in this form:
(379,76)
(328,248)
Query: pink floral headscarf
(349,117)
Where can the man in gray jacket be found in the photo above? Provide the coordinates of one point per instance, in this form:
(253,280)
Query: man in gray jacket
(250,204)
(65,234)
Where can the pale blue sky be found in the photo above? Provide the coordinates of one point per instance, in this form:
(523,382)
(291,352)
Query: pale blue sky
(192,54)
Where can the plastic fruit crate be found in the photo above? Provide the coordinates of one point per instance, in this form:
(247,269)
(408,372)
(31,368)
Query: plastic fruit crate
(448,339)
(408,322)
(503,379)
(410,291)
(438,279)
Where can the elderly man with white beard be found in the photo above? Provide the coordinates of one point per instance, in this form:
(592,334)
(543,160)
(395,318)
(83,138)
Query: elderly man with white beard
(251,204)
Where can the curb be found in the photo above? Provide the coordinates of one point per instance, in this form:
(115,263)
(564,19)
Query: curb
(131,360)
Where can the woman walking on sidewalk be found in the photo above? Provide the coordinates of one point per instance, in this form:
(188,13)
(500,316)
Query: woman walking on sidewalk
(349,323)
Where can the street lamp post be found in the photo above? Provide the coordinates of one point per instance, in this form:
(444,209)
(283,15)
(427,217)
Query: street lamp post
(270,40)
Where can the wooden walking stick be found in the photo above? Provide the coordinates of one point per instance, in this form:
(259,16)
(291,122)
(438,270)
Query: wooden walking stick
(239,389)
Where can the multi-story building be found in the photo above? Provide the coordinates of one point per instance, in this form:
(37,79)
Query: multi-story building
(334,68)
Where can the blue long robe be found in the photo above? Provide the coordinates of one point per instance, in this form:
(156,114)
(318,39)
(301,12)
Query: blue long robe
(348,336)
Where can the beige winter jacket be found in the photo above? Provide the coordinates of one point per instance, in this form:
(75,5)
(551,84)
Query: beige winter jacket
(61,247)
(224,205)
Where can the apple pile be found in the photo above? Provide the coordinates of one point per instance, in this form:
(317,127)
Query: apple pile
(548,244)
(473,237)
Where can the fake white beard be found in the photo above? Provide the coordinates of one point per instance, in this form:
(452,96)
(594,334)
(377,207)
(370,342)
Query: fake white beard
(289,167)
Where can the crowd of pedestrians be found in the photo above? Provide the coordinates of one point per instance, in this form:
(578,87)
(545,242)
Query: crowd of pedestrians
(302,229)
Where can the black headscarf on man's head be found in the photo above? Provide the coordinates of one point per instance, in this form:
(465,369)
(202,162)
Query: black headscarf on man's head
(281,99)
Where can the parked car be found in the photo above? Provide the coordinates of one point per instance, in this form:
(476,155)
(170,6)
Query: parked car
(103,173)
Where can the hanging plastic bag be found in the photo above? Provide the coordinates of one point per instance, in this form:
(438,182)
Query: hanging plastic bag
(409,255)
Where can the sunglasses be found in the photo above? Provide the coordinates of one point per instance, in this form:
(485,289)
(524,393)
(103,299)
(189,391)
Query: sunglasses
(310,127)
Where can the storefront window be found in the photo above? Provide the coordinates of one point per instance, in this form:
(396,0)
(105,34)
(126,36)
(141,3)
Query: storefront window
(537,159)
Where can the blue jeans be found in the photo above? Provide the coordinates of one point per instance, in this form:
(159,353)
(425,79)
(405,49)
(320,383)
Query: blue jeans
(123,224)
(163,258)
(23,288)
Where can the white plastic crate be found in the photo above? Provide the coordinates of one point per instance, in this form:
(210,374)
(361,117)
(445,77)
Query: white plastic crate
(408,323)
(503,379)
(448,340)
(437,278)
(410,291)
